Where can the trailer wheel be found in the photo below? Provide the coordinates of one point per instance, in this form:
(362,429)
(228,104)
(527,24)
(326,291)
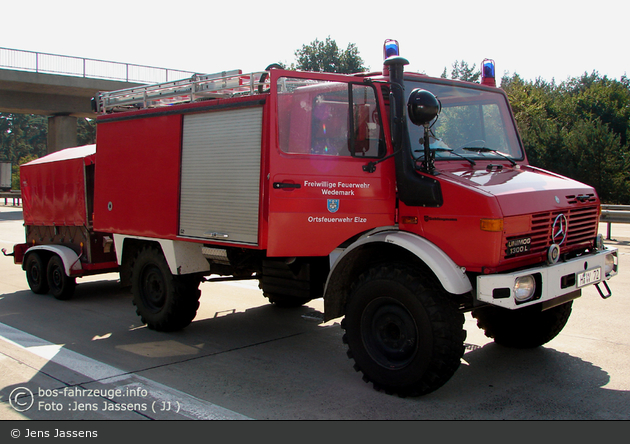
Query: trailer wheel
(163,301)
(61,286)
(527,327)
(36,273)
(405,337)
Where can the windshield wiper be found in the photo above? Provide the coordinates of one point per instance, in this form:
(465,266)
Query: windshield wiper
(483,149)
(451,151)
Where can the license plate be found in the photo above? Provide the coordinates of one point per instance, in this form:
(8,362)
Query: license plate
(589,277)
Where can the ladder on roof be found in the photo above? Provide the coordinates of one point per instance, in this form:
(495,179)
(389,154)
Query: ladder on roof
(198,87)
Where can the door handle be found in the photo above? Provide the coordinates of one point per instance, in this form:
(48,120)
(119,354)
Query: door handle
(279,185)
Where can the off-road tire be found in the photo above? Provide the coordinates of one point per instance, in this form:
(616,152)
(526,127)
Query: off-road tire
(163,301)
(526,327)
(402,332)
(60,285)
(35,269)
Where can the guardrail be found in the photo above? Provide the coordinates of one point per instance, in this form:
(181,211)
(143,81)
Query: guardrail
(41,62)
(15,195)
(619,214)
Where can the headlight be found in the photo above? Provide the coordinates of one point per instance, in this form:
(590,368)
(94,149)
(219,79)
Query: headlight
(609,266)
(524,288)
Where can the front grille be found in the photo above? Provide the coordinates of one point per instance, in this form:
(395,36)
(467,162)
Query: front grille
(581,229)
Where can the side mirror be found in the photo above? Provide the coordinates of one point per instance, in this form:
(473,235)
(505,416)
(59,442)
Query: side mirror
(422,107)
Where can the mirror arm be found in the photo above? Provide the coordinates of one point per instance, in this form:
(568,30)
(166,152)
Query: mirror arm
(429,156)
(370,167)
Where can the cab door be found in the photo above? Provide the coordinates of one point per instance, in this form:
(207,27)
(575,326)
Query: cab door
(323,189)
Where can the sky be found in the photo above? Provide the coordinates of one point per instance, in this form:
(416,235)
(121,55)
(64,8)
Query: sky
(548,39)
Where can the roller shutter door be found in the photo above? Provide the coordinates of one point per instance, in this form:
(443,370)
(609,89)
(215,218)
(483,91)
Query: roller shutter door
(221,175)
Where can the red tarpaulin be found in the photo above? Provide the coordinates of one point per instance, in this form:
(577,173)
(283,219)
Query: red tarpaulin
(53,187)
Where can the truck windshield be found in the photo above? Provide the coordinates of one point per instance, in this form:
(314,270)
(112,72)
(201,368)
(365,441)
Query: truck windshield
(474,123)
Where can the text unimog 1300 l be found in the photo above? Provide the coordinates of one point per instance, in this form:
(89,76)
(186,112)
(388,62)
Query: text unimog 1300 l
(402,210)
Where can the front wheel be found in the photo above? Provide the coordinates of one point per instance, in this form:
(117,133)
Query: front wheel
(526,327)
(403,335)
(163,301)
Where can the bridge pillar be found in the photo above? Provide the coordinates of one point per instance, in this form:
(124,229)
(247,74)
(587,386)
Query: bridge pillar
(62,133)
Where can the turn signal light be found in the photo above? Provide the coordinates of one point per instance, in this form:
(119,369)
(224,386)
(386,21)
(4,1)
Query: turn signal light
(409,220)
(492,224)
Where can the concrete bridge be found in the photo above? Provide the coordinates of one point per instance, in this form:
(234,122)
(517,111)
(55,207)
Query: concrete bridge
(62,87)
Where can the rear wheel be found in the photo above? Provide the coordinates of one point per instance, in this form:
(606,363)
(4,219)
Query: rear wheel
(35,268)
(163,301)
(404,336)
(61,286)
(526,327)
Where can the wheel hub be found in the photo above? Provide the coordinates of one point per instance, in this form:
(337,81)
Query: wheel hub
(56,277)
(154,289)
(36,273)
(390,333)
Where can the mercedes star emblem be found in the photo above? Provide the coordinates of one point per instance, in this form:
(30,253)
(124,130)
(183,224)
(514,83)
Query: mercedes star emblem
(559,229)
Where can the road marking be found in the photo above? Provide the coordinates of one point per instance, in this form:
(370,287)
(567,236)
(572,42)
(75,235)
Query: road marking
(190,406)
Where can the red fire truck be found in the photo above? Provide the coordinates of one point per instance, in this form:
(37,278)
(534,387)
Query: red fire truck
(403,200)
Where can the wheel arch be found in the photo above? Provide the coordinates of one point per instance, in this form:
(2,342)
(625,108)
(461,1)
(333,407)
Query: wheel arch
(70,259)
(388,246)
(182,257)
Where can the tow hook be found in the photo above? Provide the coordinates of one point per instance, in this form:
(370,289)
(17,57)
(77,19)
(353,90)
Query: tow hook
(604,296)
(4,251)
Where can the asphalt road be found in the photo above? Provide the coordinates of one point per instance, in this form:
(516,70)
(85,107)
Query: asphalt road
(241,358)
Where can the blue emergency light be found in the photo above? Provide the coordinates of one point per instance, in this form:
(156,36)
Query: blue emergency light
(488,73)
(390,48)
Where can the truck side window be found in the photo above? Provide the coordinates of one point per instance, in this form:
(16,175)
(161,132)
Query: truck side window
(328,118)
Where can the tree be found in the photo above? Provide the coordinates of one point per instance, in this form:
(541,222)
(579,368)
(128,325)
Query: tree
(24,137)
(461,71)
(579,128)
(593,96)
(86,131)
(327,57)
(597,157)
(15,170)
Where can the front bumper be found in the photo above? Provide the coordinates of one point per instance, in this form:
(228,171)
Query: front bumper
(552,281)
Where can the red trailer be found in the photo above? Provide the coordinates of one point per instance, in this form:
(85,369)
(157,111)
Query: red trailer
(403,200)
(61,244)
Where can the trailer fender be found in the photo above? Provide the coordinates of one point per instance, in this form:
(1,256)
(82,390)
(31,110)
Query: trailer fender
(452,277)
(182,257)
(71,262)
